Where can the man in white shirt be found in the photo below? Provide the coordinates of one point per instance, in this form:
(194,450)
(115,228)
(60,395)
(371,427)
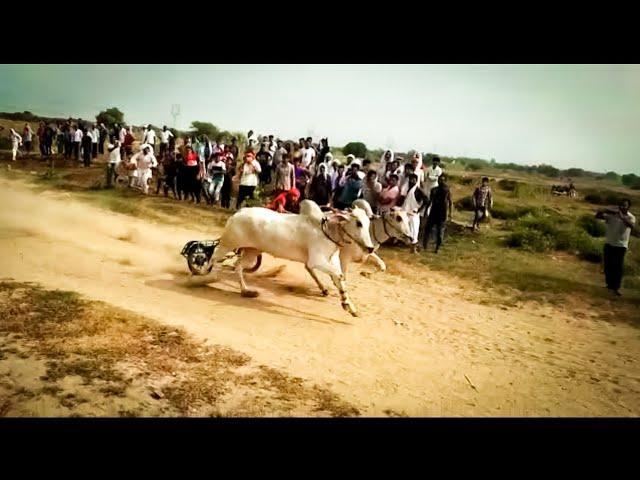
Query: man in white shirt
(619,226)
(77,139)
(278,154)
(95,138)
(121,134)
(431,176)
(16,141)
(165,135)
(272,146)
(149,137)
(145,163)
(114,161)
(248,178)
(308,154)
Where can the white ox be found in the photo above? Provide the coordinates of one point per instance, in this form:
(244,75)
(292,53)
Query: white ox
(394,224)
(309,238)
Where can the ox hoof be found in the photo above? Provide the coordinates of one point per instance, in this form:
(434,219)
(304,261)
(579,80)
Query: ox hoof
(249,293)
(325,293)
(351,309)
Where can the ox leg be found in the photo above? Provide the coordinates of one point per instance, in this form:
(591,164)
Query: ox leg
(322,288)
(333,269)
(377,260)
(244,291)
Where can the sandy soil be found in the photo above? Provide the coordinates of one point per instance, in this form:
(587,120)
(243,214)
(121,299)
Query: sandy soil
(422,346)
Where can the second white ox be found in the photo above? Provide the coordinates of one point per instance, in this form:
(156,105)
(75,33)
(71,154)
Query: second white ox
(310,238)
(394,224)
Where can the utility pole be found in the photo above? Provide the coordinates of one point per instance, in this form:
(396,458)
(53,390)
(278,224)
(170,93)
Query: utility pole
(175,112)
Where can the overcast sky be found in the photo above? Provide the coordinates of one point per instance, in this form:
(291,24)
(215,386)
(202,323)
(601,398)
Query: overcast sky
(567,115)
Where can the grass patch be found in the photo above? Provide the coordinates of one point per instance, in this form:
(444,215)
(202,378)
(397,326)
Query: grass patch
(98,343)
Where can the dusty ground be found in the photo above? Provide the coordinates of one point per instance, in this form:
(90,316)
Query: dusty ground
(424,345)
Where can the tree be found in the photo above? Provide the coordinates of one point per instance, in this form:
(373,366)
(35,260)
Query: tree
(574,172)
(110,117)
(358,149)
(204,128)
(630,179)
(612,176)
(548,170)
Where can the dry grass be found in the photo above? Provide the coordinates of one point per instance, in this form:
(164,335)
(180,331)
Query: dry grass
(116,354)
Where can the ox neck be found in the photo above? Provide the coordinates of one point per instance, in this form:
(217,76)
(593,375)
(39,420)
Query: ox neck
(378,232)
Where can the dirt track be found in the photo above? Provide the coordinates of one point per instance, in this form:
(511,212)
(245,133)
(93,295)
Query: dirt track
(448,356)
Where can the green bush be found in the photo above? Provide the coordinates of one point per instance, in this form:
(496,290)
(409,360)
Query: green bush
(605,197)
(465,181)
(358,149)
(540,231)
(531,240)
(5,143)
(473,167)
(507,185)
(594,198)
(465,203)
(588,249)
(508,212)
(592,225)
(526,190)
(460,180)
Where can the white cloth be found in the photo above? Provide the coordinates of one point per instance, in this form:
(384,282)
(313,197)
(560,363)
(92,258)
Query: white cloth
(28,133)
(114,155)
(165,136)
(149,137)
(122,134)
(411,204)
(308,155)
(618,233)
(277,156)
(95,135)
(414,227)
(382,168)
(249,178)
(78,136)
(431,178)
(16,139)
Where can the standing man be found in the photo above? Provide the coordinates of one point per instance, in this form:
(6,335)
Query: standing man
(389,195)
(87,142)
(146,162)
(27,137)
(371,190)
(104,133)
(95,138)
(234,148)
(285,175)
(431,175)
(619,226)
(308,154)
(272,146)
(265,160)
(278,154)
(16,141)
(77,138)
(165,135)
(122,133)
(412,205)
(482,202)
(248,178)
(114,161)
(149,138)
(352,188)
(440,211)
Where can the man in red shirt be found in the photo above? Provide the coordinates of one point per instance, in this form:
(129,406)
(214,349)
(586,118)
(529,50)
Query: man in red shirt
(286,201)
